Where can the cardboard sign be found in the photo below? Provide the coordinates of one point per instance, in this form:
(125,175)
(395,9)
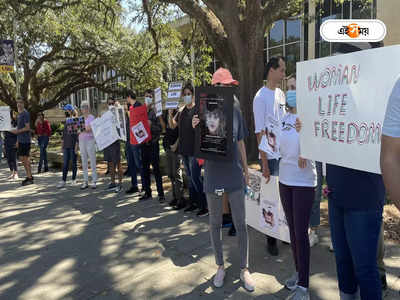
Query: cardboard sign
(5,118)
(158,102)
(341,102)
(264,211)
(139,133)
(104,130)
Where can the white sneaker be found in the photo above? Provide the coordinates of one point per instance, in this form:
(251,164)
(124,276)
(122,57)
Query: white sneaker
(313,237)
(331,248)
(61,184)
(245,277)
(73,182)
(84,185)
(291,283)
(93,185)
(219,278)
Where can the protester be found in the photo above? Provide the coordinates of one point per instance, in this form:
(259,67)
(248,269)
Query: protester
(151,152)
(23,133)
(269,103)
(197,198)
(170,144)
(69,144)
(112,155)
(297,180)
(43,131)
(135,151)
(10,147)
(228,177)
(87,148)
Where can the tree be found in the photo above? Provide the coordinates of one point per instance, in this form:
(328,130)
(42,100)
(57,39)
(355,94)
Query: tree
(236,30)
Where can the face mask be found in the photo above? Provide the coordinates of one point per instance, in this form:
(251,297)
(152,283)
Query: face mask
(187,99)
(148,100)
(291,98)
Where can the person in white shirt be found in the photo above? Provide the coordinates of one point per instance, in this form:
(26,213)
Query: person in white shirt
(297,182)
(269,104)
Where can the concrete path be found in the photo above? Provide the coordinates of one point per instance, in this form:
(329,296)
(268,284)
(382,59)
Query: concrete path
(93,244)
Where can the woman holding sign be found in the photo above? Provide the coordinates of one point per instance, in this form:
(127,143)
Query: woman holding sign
(297,181)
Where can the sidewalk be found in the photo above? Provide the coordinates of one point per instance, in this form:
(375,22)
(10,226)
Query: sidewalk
(94,244)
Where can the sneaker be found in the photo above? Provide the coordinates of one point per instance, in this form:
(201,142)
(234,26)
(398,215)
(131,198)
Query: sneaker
(245,277)
(202,212)
(179,206)
(84,186)
(331,248)
(46,170)
(118,188)
(111,186)
(173,202)
(93,185)
(61,184)
(161,199)
(27,181)
(313,237)
(190,208)
(219,278)
(299,293)
(133,190)
(145,197)
(74,182)
(291,283)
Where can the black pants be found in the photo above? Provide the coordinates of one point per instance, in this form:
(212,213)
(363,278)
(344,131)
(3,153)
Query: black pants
(151,155)
(11,153)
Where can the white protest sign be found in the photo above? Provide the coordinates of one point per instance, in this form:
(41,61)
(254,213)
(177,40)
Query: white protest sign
(264,211)
(5,118)
(341,102)
(174,95)
(121,123)
(171,104)
(175,86)
(104,130)
(158,101)
(140,132)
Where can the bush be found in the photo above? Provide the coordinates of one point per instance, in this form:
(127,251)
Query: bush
(57,128)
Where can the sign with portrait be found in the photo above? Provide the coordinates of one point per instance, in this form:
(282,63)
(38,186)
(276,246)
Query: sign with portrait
(139,125)
(214,138)
(6,56)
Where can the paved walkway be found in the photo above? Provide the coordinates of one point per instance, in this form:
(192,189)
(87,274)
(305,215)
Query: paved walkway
(73,244)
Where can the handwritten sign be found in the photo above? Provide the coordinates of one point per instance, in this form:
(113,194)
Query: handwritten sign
(104,130)
(341,101)
(5,118)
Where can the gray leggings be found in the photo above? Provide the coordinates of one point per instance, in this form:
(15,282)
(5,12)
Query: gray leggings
(236,200)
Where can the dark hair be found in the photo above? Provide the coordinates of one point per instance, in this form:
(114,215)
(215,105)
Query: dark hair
(188,86)
(272,63)
(131,94)
(149,91)
(41,114)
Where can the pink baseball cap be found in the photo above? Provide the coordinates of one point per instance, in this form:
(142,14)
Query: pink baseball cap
(223,76)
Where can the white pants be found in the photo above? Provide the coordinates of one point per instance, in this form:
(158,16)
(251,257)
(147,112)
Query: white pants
(88,150)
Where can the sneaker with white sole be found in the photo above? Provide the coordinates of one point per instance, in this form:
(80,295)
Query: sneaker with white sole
(61,184)
(299,293)
(84,186)
(245,277)
(93,185)
(219,278)
(291,282)
(313,237)
(74,182)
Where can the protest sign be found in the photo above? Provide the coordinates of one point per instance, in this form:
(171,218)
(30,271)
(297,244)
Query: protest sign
(341,103)
(139,125)
(75,125)
(6,56)
(104,130)
(214,106)
(264,211)
(174,95)
(5,118)
(158,102)
(121,121)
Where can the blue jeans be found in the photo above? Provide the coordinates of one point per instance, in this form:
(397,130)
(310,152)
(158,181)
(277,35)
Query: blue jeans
(196,192)
(69,154)
(316,211)
(43,142)
(355,235)
(135,164)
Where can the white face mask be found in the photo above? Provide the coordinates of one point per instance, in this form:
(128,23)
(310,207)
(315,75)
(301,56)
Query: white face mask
(148,100)
(187,99)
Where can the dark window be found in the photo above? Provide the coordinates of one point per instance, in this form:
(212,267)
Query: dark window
(276,34)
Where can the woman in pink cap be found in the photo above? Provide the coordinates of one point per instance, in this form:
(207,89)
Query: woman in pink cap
(228,179)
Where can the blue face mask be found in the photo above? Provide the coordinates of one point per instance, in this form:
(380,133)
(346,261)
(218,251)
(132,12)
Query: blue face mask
(291,98)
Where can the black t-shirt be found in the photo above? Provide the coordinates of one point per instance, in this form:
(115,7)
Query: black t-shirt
(186,132)
(171,135)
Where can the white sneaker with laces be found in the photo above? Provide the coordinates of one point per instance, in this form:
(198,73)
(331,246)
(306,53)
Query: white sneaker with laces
(313,238)
(73,182)
(245,277)
(291,282)
(93,185)
(84,185)
(61,184)
(219,278)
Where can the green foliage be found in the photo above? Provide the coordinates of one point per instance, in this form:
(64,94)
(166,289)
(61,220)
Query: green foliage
(57,128)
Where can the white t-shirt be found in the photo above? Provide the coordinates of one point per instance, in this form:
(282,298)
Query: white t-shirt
(289,171)
(267,103)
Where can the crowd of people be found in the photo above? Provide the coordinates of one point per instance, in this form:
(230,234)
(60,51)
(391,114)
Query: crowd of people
(218,188)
